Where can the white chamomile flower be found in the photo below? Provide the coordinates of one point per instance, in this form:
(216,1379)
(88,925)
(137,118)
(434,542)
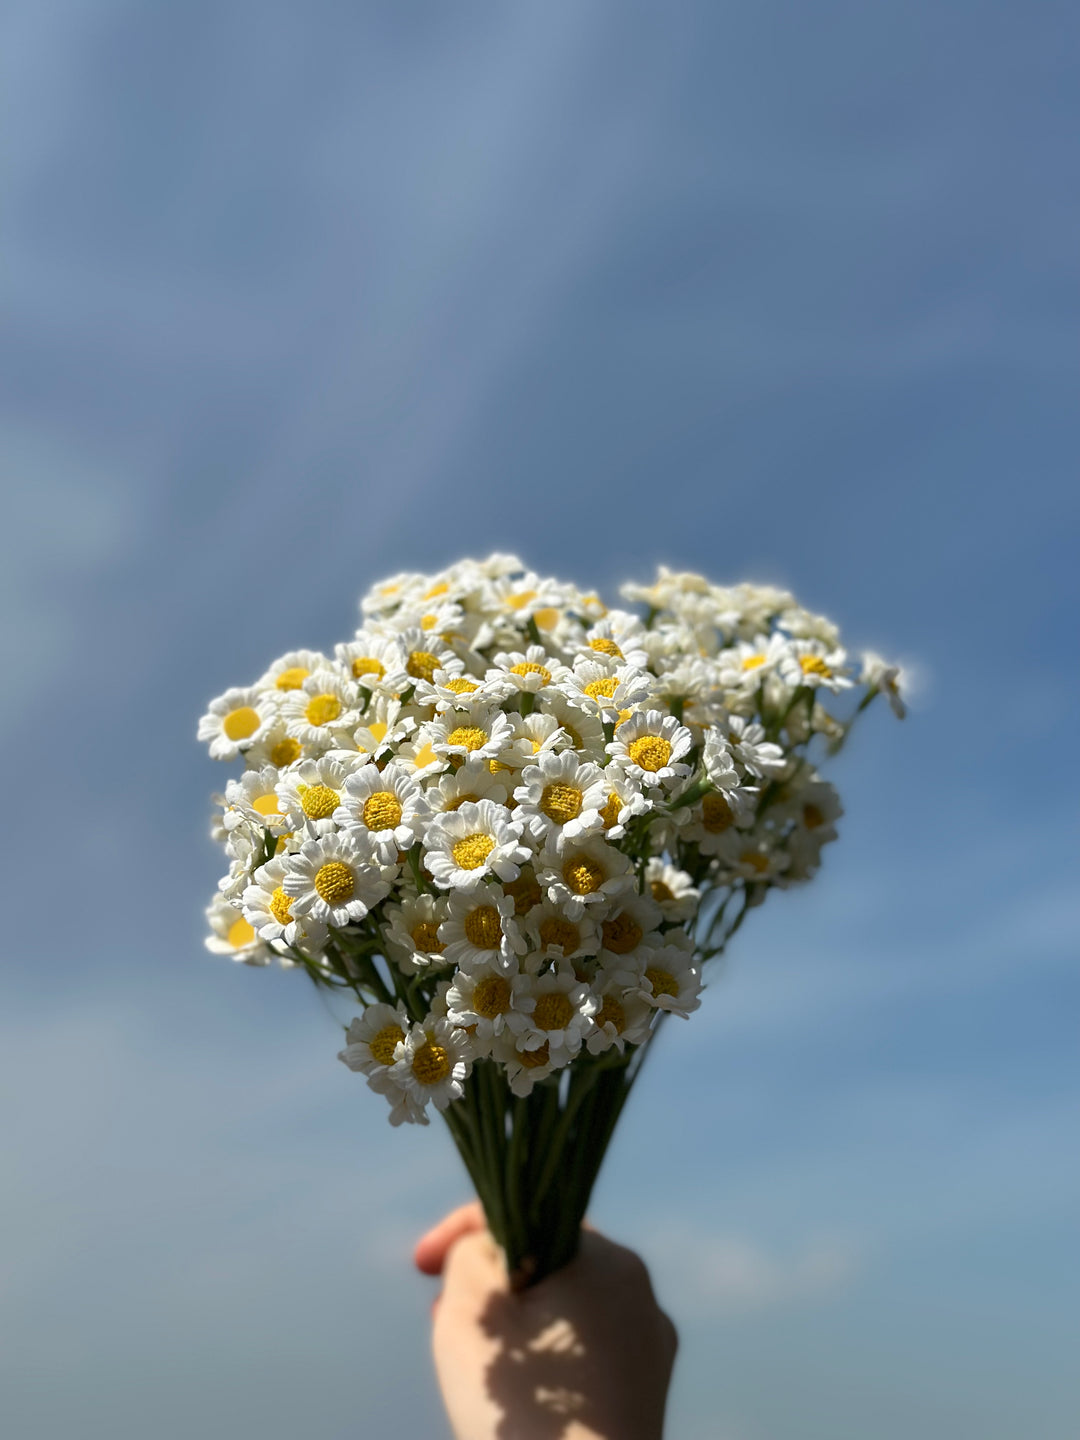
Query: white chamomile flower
(632,923)
(290,671)
(583,873)
(458,734)
(487,1000)
(529,670)
(382,726)
(432,1066)
(472,781)
(231,934)
(467,845)
(311,792)
(375,662)
(254,798)
(387,803)
(667,979)
(878,674)
(244,847)
(718,762)
(528,597)
(268,910)
(751,857)
(321,710)
(553,935)
(707,823)
(532,735)
(579,720)
(625,799)
(650,746)
(458,692)
(336,879)
(372,1042)
(623,1018)
(411,932)
(276,747)
(561,796)
(619,638)
(804,625)
(480,928)
(562,1012)
(236,721)
(415,753)
(525,1068)
(386,597)
(606,690)
(672,889)
(747,741)
(425,653)
(742,667)
(809,662)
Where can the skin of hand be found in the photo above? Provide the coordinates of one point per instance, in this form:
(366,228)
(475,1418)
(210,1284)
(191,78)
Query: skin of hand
(585,1354)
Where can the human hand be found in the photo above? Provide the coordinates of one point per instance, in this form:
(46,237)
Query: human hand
(585,1354)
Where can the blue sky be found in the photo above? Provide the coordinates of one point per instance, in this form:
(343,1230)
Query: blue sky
(295,298)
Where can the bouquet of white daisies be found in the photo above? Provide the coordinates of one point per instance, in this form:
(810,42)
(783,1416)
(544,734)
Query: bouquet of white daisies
(513,826)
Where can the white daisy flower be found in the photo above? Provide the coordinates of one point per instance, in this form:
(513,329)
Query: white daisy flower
(416,755)
(533,735)
(743,666)
(632,923)
(472,781)
(254,798)
(480,929)
(374,1040)
(487,1000)
(458,692)
(268,910)
(236,721)
(672,889)
(432,1066)
(290,671)
(463,848)
(667,979)
(277,748)
(426,653)
(387,803)
(752,857)
(383,726)
(620,639)
(625,799)
(525,890)
(244,848)
(529,670)
(623,1018)
(607,691)
(583,873)
(376,662)
(579,720)
(809,662)
(650,746)
(878,674)
(555,936)
(562,1012)
(336,879)
(411,932)
(231,934)
(526,1068)
(803,625)
(561,797)
(311,792)
(321,710)
(759,756)
(459,734)
(388,595)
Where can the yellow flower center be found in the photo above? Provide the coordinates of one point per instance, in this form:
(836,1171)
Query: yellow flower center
(814,665)
(322,709)
(651,752)
(575,738)
(526,892)
(335,882)
(491,996)
(522,598)
(527,667)
(483,927)
(239,724)
(240,934)
(753,662)
(662,981)
(439,588)
(377,730)
(535,1059)
(556,930)
(621,934)
(425,936)
(281,906)
(382,810)
(266,804)
(601,689)
(611,1012)
(583,875)
(285,752)
(561,802)
(462,800)
(661,892)
(471,852)
(383,1045)
(468,737)
(422,665)
(292,678)
(318,802)
(756,860)
(368,665)
(606,647)
(611,811)
(813,818)
(494,766)
(553,1011)
(715,813)
(458,685)
(431,1064)
(427,622)
(425,756)
(547,618)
